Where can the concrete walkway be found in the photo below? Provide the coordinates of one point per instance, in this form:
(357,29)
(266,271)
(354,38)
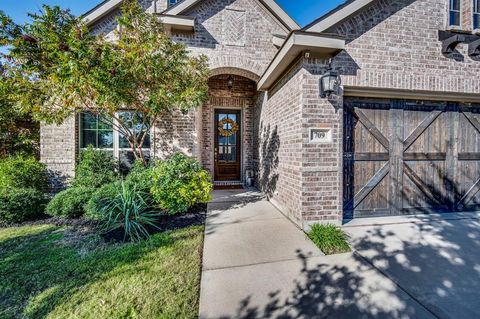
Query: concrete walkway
(257,264)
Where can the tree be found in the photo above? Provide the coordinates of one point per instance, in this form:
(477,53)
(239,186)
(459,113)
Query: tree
(19,134)
(60,68)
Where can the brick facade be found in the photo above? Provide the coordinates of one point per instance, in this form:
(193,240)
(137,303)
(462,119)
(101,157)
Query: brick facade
(279,147)
(391,44)
(213,35)
(394,44)
(58,150)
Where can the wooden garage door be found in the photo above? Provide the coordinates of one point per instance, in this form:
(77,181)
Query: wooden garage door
(405,157)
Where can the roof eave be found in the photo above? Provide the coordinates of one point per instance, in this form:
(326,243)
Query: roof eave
(271,5)
(337,15)
(100,11)
(298,42)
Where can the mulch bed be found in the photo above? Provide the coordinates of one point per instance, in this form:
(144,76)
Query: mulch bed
(79,227)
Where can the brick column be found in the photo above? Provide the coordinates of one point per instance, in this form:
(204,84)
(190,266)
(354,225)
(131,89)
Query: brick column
(322,161)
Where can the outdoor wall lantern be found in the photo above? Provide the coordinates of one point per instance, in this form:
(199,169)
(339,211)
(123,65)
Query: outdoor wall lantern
(329,83)
(230,82)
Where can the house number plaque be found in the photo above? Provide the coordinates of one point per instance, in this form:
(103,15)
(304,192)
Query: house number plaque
(320,135)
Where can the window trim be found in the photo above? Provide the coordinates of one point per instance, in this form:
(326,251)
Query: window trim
(450,10)
(476,12)
(116,138)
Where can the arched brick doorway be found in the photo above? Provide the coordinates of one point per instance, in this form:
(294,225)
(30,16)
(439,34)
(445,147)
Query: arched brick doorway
(228,158)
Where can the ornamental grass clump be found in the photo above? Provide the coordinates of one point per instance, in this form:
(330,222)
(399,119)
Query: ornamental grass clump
(329,238)
(128,211)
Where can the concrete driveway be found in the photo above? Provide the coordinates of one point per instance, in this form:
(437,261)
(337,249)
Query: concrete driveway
(434,259)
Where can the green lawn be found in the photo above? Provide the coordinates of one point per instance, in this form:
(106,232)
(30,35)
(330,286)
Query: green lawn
(48,273)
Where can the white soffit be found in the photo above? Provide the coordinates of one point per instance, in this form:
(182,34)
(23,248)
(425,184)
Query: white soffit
(278,40)
(296,43)
(337,15)
(180,23)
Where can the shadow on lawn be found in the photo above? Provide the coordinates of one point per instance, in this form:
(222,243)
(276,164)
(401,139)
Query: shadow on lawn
(41,270)
(436,263)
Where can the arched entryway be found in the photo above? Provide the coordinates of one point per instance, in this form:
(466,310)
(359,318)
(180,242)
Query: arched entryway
(227,128)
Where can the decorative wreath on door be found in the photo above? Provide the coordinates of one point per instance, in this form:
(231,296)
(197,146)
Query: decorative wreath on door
(227,132)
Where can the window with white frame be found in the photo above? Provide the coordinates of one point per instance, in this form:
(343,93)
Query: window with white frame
(99,132)
(476,14)
(454,19)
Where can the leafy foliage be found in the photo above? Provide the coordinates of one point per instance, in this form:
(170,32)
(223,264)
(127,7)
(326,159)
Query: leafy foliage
(20,204)
(99,200)
(329,238)
(95,169)
(129,212)
(19,134)
(20,172)
(61,68)
(141,176)
(70,203)
(179,183)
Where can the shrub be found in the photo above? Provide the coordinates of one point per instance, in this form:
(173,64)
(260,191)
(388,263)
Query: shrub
(19,172)
(70,203)
(179,183)
(141,176)
(20,204)
(329,238)
(99,199)
(95,168)
(129,212)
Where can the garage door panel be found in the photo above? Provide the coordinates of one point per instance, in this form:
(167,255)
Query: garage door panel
(469,136)
(372,179)
(410,157)
(434,138)
(468,185)
(424,184)
(366,142)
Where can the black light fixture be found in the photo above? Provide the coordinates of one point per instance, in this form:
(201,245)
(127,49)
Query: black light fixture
(329,83)
(230,82)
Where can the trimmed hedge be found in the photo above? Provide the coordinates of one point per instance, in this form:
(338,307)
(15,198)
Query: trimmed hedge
(70,203)
(19,172)
(21,204)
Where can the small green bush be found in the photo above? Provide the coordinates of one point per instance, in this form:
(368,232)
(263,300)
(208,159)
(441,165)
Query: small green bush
(95,169)
(140,176)
(329,238)
(129,212)
(70,203)
(19,172)
(20,204)
(99,199)
(179,183)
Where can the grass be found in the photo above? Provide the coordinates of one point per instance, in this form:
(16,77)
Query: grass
(47,273)
(329,238)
